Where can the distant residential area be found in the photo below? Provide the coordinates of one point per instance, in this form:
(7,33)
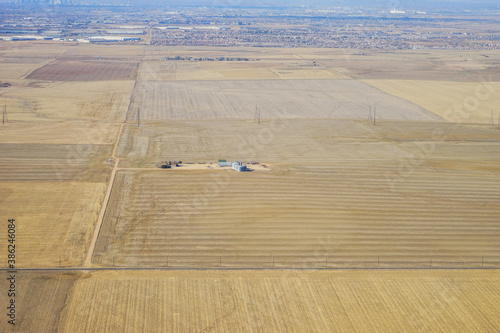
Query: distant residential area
(252,27)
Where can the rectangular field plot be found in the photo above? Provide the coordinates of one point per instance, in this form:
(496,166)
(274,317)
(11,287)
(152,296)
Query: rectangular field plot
(324,142)
(54,220)
(235,70)
(47,162)
(459,102)
(278,301)
(256,301)
(76,101)
(67,70)
(40,299)
(17,68)
(211,219)
(274,141)
(456,66)
(164,100)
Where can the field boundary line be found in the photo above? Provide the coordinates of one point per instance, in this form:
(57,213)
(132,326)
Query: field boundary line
(79,269)
(100,219)
(45,63)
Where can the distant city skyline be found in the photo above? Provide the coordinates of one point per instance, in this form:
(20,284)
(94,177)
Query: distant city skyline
(403,4)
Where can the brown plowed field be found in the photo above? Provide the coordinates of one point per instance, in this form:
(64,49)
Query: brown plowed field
(85,71)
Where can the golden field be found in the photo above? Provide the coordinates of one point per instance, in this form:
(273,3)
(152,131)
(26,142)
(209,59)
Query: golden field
(416,188)
(457,102)
(259,301)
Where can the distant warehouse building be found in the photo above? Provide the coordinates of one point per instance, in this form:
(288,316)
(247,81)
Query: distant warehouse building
(112,39)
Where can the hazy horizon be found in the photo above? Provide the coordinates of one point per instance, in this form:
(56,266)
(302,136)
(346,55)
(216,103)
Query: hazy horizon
(403,4)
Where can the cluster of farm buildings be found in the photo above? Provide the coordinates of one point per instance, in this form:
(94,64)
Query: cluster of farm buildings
(238,166)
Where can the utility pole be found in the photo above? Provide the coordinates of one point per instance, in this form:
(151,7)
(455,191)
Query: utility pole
(138,117)
(492,122)
(257,114)
(4,117)
(375,115)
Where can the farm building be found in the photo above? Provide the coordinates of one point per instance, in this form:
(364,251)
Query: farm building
(238,166)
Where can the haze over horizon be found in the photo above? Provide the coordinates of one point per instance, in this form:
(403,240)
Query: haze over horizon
(401,4)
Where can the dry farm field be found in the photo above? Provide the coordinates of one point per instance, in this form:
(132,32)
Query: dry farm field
(85,71)
(55,192)
(458,102)
(363,170)
(165,100)
(258,301)
(254,69)
(212,219)
(55,220)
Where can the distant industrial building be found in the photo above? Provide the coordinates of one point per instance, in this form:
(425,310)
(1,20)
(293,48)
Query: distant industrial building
(125,31)
(110,39)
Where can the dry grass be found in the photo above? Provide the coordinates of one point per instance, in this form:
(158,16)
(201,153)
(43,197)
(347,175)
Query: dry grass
(45,162)
(101,100)
(48,131)
(458,102)
(395,189)
(456,66)
(55,220)
(274,141)
(258,301)
(463,66)
(262,301)
(17,68)
(165,100)
(40,300)
(266,69)
(358,211)
(414,188)
(34,50)
(315,142)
